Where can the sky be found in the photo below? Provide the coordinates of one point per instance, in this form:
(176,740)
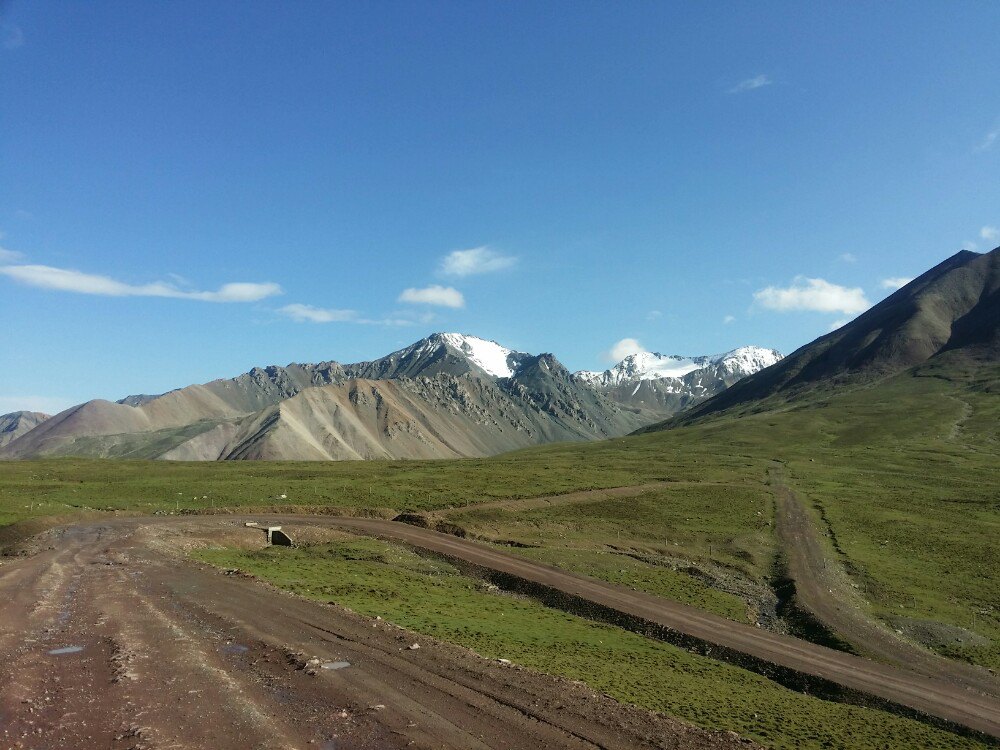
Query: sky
(188,190)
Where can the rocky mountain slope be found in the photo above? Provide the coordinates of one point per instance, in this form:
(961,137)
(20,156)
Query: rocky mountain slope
(444,396)
(668,384)
(950,313)
(447,395)
(13,425)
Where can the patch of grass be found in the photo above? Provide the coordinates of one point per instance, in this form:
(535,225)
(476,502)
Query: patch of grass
(651,541)
(431,597)
(657,579)
(728,523)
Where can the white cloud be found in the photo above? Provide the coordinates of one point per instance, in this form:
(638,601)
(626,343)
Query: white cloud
(235,292)
(9,256)
(895,282)
(394,322)
(751,83)
(475,261)
(309,314)
(969,245)
(990,234)
(839,323)
(813,294)
(989,140)
(444,296)
(729,319)
(65,280)
(654,315)
(849,258)
(624,348)
(44,404)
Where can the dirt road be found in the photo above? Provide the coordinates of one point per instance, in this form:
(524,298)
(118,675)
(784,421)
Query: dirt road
(109,641)
(167,654)
(823,588)
(948,696)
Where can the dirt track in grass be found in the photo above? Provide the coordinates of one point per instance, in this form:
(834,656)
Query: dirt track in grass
(158,652)
(173,654)
(823,589)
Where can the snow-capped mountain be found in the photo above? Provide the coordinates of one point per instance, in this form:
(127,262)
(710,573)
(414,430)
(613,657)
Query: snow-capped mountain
(446,395)
(449,353)
(671,383)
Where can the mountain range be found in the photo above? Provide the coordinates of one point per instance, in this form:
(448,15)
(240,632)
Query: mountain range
(452,395)
(447,395)
(669,383)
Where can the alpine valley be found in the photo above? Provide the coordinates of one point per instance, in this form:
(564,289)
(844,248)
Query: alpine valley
(445,396)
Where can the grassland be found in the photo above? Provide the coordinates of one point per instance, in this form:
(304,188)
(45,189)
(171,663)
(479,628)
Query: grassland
(901,477)
(687,541)
(431,597)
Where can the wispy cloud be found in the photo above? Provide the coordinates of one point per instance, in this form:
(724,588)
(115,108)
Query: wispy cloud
(729,319)
(750,84)
(442,296)
(308,314)
(817,295)
(990,234)
(895,282)
(66,280)
(301,313)
(9,256)
(848,258)
(654,315)
(623,348)
(989,140)
(475,261)
(839,323)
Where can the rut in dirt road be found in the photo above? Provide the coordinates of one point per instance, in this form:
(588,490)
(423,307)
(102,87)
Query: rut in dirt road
(108,642)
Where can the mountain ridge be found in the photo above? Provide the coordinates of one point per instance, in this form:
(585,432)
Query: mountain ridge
(446,395)
(672,383)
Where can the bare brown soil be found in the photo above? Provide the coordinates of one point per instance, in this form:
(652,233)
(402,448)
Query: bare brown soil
(168,654)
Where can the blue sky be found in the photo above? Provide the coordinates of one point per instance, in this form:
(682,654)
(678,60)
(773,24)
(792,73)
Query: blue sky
(188,190)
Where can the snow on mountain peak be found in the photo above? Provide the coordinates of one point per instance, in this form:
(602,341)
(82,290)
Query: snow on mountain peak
(640,366)
(748,359)
(655,366)
(487,355)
